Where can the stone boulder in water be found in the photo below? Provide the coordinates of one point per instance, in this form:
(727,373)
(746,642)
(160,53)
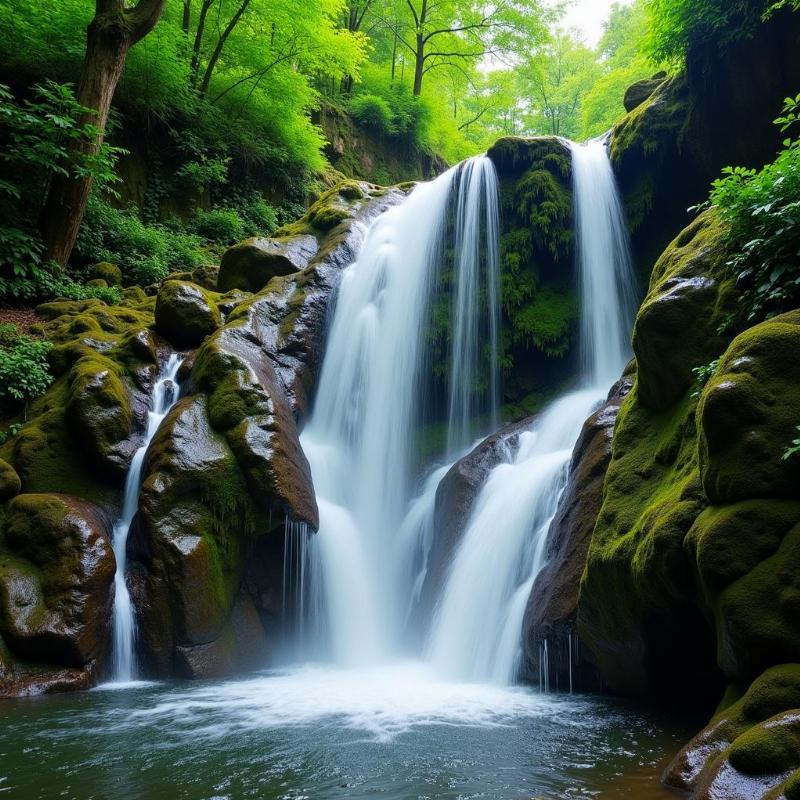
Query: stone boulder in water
(185,313)
(552,606)
(455,499)
(751,748)
(56,572)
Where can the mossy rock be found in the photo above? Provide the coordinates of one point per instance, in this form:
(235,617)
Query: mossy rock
(10,483)
(745,557)
(110,273)
(56,572)
(97,283)
(251,265)
(207,276)
(704,759)
(99,411)
(749,413)
(677,329)
(185,313)
(641,91)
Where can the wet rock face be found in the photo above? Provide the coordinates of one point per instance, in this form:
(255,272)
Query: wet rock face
(751,748)
(552,606)
(251,264)
(185,313)
(56,571)
(455,499)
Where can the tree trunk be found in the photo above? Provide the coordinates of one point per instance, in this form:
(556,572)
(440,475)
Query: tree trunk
(110,35)
(419,65)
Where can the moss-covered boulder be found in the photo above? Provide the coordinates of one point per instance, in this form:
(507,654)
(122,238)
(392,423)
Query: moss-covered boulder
(248,405)
(110,273)
(750,746)
(638,606)
(207,276)
(642,91)
(56,571)
(749,413)
(678,326)
(196,517)
(251,264)
(99,411)
(185,313)
(10,483)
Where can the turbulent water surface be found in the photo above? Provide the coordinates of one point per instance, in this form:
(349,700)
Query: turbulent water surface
(396,733)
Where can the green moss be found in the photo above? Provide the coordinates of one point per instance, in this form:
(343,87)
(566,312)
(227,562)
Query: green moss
(771,748)
(110,273)
(546,322)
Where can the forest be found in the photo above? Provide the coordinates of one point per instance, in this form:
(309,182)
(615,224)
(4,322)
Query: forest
(400,398)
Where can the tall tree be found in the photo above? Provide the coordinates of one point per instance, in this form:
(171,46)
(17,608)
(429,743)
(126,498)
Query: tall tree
(448,32)
(116,27)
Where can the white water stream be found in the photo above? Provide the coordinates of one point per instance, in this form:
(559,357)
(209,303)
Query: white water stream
(165,395)
(364,570)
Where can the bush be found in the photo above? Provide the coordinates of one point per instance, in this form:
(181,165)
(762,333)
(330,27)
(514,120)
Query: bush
(258,216)
(220,225)
(373,112)
(24,371)
(144,253)
(762,209)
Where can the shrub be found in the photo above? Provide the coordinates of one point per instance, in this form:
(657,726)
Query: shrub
(219,225)
(373,112)
(144,253)
(24,371)
(762,209)
(258,216)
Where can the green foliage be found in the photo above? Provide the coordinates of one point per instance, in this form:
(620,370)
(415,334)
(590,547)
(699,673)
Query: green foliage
(10,432)
(762,209)
(373,112)
(144,253)
(678,25)
(704,374)
(24,371)
(222,225)
(35,137)
(794,449)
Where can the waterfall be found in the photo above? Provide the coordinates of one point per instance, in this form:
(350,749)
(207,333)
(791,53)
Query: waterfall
(477,258)
(478,621)
(165,395)
(608,297)
(359,439)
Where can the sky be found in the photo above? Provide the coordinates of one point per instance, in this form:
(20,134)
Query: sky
(588,16)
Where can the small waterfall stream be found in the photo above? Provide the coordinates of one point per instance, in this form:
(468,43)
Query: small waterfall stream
(165,395)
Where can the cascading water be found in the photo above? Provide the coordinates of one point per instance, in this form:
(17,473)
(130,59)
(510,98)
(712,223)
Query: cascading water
(359,440)
(165,395)
(476,630)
